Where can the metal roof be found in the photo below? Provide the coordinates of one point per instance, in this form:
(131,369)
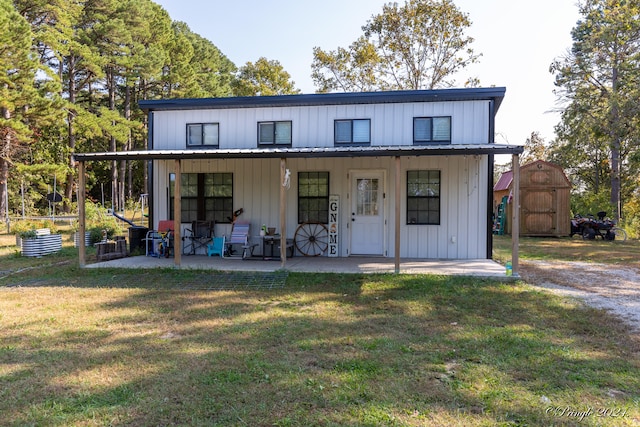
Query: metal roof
(266,153)
(495,94)
(504,182)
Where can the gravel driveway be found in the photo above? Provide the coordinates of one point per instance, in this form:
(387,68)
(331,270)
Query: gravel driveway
(604,286)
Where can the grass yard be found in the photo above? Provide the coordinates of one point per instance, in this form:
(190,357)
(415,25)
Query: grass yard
(126,348)
(570,249)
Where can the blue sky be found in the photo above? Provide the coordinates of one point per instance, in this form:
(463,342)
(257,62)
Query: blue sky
(518,40)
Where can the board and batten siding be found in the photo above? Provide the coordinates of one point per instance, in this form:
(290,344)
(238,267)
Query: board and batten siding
(312,126)
(460,235)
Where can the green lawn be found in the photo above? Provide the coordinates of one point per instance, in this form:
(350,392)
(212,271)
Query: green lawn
(570,249)
(127,348)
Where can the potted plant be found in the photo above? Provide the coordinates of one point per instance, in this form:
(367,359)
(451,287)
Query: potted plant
(26,228)
(25,235)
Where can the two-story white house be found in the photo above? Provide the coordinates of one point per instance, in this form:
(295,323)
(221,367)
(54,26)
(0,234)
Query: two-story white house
(392,174)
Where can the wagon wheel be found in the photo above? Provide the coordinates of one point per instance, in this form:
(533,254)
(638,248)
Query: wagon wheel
(311,238)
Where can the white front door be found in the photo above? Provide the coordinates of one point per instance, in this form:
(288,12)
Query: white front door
(367,213)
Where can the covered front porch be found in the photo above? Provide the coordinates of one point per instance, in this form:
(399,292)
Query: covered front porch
(485,268)
(394,264)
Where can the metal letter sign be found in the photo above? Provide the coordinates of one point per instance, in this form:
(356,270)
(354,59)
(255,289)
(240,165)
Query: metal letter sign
(334,205)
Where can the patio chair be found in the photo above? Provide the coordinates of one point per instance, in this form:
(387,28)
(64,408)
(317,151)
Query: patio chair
(216,247)
(198,236)
(240,237)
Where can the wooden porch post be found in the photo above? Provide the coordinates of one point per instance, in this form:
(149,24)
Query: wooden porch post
(177,216)
(397,223)
(82,250)
(515,213)
(283,214)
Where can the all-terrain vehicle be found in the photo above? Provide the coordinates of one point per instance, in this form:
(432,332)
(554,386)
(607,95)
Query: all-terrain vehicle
(589,228)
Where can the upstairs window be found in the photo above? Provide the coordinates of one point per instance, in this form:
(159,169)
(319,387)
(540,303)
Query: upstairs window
(274,133)
(423,197)
(431,129)
(202,135)
(357,131)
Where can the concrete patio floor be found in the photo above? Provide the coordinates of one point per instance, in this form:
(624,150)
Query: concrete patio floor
(466,267)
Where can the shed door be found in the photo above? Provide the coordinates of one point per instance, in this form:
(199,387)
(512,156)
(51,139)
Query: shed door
(538,212)
(367,214)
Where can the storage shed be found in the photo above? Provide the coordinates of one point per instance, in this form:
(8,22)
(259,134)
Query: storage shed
(501,189)
(544,199)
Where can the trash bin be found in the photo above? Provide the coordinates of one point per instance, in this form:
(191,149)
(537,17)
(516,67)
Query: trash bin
(136,234)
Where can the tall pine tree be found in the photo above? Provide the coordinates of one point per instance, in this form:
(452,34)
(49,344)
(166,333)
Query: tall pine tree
(25,104)
(599,81)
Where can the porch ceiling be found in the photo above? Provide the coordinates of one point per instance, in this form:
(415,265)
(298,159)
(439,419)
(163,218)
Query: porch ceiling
(265,153)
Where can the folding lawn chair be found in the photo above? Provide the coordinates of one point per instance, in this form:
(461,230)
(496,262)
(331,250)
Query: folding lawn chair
(240,237)
(198,236)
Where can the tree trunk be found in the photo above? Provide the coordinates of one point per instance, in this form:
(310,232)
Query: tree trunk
(145,143)
(4,165)
(115,193)
(4,179)
(615,147)
(70,181)
(125,168)
(615,179)
(597,171)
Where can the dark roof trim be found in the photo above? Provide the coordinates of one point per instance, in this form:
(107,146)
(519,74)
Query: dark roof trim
(257,153)
(493,93)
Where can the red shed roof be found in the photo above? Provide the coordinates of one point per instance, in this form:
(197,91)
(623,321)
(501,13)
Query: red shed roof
(504,182)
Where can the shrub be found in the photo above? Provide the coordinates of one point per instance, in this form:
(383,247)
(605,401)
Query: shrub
(47,223)
(632,217)
(28,234)
(95,233)
(589,203)
(97,219)
(20,227)
(26,226)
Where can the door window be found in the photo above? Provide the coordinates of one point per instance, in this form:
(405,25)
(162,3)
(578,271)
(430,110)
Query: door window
(367,198)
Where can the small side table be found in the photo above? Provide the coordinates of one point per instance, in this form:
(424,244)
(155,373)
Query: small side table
(272,242)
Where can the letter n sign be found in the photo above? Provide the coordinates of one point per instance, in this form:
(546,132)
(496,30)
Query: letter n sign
(334,206)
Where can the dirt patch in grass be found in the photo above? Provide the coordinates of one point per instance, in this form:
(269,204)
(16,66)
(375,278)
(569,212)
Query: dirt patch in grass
(603,274)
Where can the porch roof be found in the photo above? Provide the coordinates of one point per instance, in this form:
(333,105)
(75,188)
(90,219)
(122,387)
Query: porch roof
(292,152)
